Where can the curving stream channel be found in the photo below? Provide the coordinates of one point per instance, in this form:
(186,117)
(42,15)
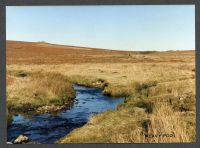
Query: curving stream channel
(48,128)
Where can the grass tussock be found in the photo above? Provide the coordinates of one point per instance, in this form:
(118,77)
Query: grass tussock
(165,121)
(163,126)
(39,89)
(116,91)
(103,127)
(88,81)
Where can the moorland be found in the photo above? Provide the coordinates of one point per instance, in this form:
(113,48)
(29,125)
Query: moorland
(158,87)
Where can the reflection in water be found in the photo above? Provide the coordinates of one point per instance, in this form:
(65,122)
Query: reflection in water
(47,128)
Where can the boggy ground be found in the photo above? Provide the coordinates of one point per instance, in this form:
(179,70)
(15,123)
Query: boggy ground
(159,88)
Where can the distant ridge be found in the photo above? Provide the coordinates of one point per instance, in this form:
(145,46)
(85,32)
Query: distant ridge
(44,43)
(20,52)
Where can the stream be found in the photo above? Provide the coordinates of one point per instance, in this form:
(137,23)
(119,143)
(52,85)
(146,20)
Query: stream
(48,128)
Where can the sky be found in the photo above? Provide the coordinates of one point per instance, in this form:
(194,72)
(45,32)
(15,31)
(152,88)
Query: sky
(134,28)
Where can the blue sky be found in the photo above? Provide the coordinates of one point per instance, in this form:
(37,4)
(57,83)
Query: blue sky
(149,27)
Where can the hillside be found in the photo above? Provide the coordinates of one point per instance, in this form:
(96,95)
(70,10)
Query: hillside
(44,53)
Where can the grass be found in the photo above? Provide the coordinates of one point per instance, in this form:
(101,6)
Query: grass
(134,126)
(171,84)
(145,87)
(8,117)
(88,81)
(40,89)
(159,90)
(165,120)
(103,127)
(137,121)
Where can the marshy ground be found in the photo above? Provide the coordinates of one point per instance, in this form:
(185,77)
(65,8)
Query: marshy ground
(159,88)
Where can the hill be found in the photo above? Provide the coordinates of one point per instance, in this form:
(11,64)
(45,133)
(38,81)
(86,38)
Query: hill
(19,52)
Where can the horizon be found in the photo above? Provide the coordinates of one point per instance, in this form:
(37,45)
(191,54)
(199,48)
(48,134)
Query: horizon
(153,28)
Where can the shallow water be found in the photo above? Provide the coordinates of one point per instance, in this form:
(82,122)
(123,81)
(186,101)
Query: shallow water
(48,128)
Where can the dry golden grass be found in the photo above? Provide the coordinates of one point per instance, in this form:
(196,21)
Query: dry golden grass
(125,126)
(104,127)
(133,125)
(148,80)
(163,126)
(38,89)
(117,73)
(165,121)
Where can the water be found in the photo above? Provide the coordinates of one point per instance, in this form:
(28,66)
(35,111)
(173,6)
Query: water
(48,128)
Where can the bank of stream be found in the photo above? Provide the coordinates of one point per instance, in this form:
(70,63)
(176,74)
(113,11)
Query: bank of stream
(48,128)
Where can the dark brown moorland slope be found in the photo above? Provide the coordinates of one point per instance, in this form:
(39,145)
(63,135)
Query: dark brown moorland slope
(19,52)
